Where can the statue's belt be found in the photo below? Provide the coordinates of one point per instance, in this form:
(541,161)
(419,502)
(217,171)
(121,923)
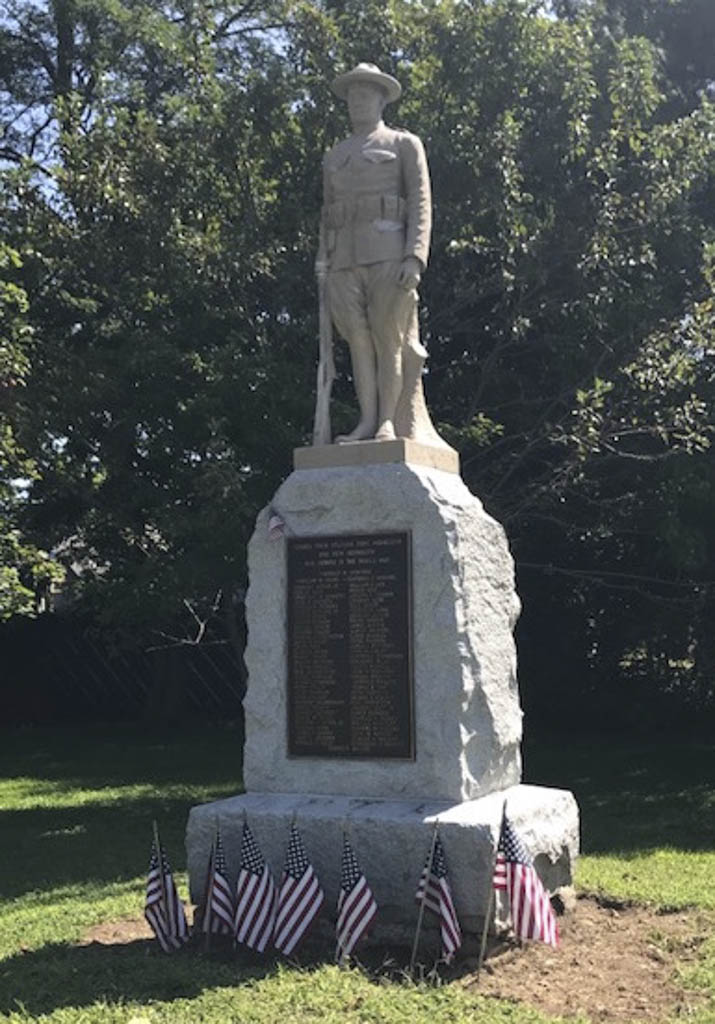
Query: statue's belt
(361,209)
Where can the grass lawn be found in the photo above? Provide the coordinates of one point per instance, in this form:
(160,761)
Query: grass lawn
(76,811)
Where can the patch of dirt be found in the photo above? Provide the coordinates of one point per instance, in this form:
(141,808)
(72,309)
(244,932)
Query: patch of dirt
(118,933)
(612,964)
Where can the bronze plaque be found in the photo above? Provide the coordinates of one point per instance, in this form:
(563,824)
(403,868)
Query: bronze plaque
(350,691)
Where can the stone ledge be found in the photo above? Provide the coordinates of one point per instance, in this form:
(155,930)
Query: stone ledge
(370,453)
(391,839)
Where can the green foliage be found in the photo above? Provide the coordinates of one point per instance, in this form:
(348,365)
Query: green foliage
(683,31)
(150,267)
(569,303)
(25,570)
(162,189)
(329,993)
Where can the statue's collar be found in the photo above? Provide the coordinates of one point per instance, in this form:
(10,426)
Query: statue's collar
(364,136)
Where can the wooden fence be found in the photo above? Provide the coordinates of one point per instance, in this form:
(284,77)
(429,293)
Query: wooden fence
(53,669)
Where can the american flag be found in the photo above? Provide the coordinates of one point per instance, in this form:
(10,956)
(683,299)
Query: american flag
(218,904)
(255,896)
(163,909)
(300,897)
(532,916)
(435,892)
(356,903)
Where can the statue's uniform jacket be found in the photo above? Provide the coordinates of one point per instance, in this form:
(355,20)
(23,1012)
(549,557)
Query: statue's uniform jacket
(376,200)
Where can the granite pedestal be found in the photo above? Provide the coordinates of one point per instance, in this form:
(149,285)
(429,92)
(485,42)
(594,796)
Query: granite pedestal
(392,839)
(467,718)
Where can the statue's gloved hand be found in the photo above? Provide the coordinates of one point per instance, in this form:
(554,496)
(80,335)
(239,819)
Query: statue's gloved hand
(410,273)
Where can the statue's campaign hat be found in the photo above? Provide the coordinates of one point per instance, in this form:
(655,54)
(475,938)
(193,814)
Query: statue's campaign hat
(367,73)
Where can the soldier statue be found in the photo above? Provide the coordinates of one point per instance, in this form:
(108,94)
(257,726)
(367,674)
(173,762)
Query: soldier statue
(374,243)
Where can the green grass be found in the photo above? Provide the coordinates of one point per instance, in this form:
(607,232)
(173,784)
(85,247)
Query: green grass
(647,816)
(75,830)
(186,989)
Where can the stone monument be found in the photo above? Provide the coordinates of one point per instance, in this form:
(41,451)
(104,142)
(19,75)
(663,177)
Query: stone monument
(382,668)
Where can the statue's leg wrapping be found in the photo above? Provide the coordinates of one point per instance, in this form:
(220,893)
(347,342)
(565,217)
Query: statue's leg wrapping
(347,299)
(395,326)
(389,310)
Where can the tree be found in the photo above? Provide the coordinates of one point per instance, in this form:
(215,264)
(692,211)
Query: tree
(682,30)
(163,189)
(25,570)
(149,270)
(572,331)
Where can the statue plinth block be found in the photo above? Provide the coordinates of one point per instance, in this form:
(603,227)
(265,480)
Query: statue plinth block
(375,453)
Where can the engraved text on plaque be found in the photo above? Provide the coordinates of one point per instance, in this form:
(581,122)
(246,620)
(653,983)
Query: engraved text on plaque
(350,646)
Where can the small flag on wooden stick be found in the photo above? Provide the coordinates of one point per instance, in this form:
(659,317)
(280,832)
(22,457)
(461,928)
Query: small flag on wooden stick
(163,909)
(532,916)
(276,526)
(356,903)
(255,896)
(218,903)
(300,896)
(435,893)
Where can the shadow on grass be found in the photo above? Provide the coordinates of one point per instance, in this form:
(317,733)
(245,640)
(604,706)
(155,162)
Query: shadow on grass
(90,844)
(59,975)
(632,796)
(71,836)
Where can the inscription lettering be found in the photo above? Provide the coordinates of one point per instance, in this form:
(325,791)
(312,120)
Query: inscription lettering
(350,690)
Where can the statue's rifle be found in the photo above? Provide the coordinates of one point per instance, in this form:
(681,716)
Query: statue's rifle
(326,369)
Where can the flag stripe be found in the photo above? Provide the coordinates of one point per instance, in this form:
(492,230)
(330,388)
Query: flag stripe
(303,917)
(255,916)
(163,909)
(261,921)
(218,903)
(451,933)
(255,897)
(300,896)
(262,929)
(303,909)
(356,903)
(289,894)
(247,886)
(354,906)
(434,890)
(532,915)
(256,907)
(356,914)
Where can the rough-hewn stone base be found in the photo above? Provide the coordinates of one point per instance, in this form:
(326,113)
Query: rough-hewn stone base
(391,839)
(467,714)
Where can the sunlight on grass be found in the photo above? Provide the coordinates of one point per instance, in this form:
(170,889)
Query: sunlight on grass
(64,914)
(78,818)
(702,974)
(667,877)
(26,794)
